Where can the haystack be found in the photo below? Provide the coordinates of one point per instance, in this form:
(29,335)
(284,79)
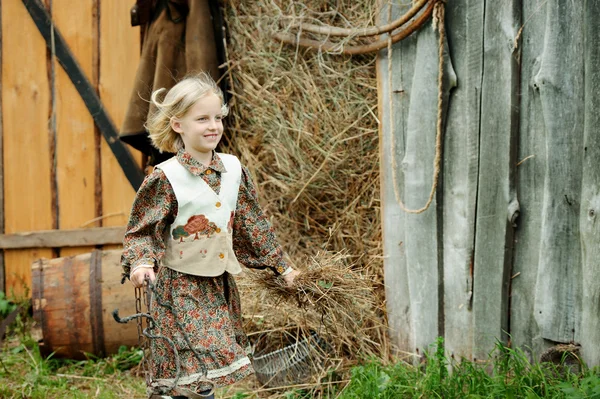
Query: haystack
(304,123)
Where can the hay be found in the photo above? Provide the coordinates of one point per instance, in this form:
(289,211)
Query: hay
(305,125)
(333,301)
(329,287)
(329,296)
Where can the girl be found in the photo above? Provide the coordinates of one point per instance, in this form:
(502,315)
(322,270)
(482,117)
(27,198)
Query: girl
(195,218)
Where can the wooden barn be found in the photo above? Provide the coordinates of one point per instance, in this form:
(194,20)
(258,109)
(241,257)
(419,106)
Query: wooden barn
(500,133)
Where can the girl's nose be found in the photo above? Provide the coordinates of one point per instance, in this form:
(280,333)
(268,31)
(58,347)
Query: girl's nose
(213,124)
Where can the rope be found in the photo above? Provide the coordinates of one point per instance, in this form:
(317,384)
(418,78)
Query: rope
(340,48)
(361,32)
(438,20)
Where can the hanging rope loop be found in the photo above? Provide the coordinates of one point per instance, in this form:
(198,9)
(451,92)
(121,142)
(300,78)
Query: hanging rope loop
(438,21)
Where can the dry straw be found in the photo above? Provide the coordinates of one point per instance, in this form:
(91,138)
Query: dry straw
(332,302)
(340,299)
(305,124)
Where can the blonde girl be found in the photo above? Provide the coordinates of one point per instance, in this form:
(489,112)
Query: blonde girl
(194,221)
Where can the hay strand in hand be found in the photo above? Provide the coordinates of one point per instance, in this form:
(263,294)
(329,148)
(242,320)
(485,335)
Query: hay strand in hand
(326,285)
(342,298)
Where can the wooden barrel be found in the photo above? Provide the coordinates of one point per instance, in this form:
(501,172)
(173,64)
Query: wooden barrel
(73,300)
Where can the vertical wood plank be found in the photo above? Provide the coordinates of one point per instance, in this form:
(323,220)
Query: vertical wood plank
(590,196)
(119,58)
(75,127)
(560,85)
(461,168)
(25,111)
(530,185)
(496,199)
(423,244)
(2,285)
(394,76)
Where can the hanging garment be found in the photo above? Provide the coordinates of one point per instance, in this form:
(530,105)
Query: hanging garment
(178,38)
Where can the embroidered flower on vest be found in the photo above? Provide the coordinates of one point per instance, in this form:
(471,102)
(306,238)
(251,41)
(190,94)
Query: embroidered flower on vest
(198,225)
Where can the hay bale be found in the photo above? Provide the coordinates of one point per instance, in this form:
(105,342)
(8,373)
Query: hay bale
(305,125)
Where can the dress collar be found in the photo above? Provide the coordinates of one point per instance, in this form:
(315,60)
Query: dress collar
(198,169)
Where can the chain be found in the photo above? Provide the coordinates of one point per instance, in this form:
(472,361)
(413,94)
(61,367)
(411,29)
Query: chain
(142,323)
(145,324)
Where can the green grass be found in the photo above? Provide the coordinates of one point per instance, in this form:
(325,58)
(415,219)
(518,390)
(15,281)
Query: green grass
(511,376)
(25,373)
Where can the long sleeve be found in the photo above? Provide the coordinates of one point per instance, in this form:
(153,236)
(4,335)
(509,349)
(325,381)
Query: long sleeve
(154,208)
(254,241)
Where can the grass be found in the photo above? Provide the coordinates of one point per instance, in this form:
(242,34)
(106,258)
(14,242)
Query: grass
(511,376)
(25,373)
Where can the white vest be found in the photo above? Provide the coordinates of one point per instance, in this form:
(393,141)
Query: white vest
(199,242)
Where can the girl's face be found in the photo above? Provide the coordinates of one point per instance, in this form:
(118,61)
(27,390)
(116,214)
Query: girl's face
(201,128)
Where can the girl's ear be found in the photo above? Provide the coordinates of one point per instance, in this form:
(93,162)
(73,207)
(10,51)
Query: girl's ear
(175,125)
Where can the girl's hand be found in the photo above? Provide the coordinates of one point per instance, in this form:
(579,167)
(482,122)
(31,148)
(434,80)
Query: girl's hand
(138,276)
(289,278)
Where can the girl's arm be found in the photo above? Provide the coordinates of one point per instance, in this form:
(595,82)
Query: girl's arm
(254,240)
(154,208)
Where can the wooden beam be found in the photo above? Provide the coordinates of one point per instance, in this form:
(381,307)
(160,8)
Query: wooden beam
(118,45)
(393,108)
(560,85)
(75,162)
(497,203)
(590,190)
(2,286)
(63,238)
(464,19)
(27,188)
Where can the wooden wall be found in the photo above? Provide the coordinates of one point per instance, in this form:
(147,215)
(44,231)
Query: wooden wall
(509,249)
(57,170)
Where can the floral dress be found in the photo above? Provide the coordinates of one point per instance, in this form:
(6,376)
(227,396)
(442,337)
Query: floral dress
(207,309)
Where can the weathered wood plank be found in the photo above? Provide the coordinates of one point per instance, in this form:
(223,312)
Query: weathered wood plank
(532,157)
(63,238)
(496,199)
(2,285)
(560,85)
(590,196)
(394,75)
(25,112)
(461,168)
(75,155)
(422,244)
(119,57)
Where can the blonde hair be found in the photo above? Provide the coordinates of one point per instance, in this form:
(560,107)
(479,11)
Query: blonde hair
(177,102)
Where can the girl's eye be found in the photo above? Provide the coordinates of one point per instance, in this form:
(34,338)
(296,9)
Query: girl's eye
(219,118)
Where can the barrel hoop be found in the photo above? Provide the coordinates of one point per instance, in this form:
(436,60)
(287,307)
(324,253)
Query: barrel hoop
(96,320)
